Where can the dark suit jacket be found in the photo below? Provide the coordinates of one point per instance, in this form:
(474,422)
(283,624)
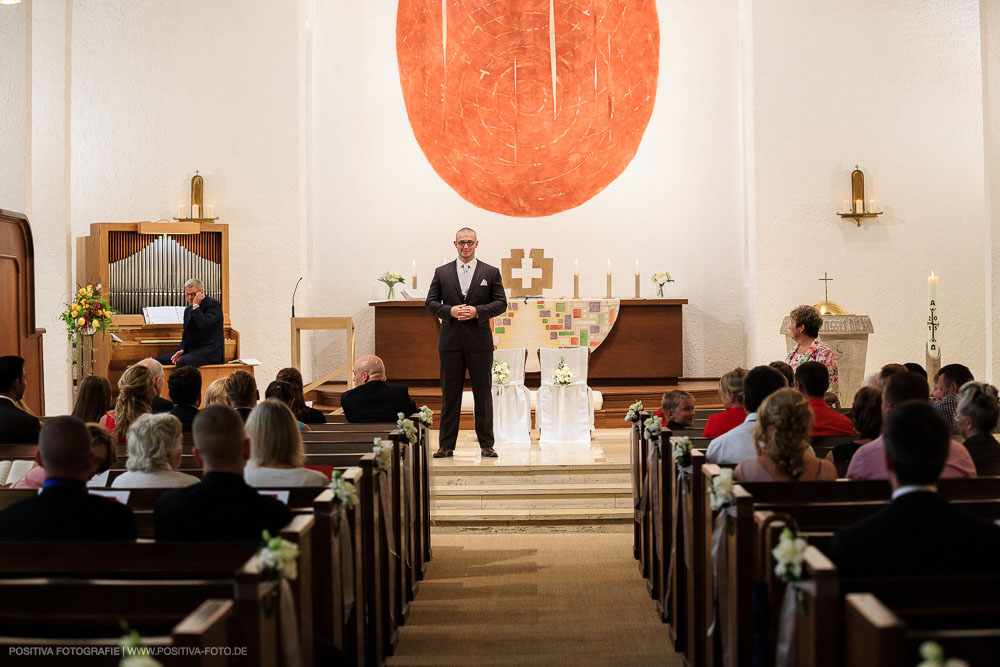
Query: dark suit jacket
(489,299)
(311,416)
(244,413)
(160,404)
(377,402)
(203,331)
(918,533)
(186,413)
(67,513)
(985,452)
(220,507)
(16,425)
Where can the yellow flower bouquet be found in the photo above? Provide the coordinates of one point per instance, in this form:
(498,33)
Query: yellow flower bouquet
(87,314)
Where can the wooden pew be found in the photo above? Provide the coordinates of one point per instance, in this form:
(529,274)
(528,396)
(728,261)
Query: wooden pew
(192,642)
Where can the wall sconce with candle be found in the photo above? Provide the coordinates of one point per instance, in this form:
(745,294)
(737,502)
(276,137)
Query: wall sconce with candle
(855,208)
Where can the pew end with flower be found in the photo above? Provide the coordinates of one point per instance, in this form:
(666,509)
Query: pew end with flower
(652,428)
(633,412)
(278,558)
(721,491)
(406,427)
(682,452)
(344,492)
(426,416)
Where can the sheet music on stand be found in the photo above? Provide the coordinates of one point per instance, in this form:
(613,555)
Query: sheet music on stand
(163,314)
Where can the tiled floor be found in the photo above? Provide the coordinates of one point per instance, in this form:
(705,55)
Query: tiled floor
(610,445)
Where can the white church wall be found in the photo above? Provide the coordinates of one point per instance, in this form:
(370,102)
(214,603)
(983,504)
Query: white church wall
(896,88)
(676,207)
(990,31)
(13,116)
(162,88)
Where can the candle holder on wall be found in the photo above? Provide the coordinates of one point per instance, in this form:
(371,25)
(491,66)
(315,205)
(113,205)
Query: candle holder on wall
(197,210)
(856,207)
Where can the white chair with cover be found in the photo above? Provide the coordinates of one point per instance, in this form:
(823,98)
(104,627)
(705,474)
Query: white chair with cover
(564,413)
(511,403)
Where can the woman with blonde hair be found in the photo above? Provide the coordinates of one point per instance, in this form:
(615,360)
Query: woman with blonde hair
(276,449)
(215,394)
(781,438)
(731,393)
(135,398)
(154,454)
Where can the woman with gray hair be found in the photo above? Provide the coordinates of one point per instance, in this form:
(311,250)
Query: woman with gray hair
(977,416)
(154,453)
(804,330)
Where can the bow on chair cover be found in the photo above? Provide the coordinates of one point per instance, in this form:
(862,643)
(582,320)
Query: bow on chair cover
(564,413)
(511,404)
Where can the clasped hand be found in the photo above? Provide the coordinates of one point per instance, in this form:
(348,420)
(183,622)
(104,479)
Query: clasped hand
(463,312)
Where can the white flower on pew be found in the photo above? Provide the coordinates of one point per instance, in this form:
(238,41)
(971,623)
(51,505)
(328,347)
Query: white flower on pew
(722,489)
(562,375)
(344,491)
(406,427)
(682,451)
(134,654)
(501,371)
(278,558)
(633,412)
(652,428)
(426,416)
(788,556)
(383,456)
(932,655)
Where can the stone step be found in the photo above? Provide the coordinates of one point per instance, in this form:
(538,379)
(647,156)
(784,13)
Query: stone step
(544,517)
(527,475)
(533,496)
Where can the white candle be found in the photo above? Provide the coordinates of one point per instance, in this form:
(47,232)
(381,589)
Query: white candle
(932,288)
(195,211)
(636,266)
(180,211)
(576,266)
(609,266)
(414,270)
(859,206)
(211,211)
(847,206)
(871,205)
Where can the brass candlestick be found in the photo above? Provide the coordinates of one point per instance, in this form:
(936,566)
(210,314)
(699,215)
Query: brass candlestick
(609,285)
(576,285)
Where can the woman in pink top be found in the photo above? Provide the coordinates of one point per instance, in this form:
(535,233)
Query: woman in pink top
(781,438)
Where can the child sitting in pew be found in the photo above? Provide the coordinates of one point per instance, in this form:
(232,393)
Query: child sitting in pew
(781,438)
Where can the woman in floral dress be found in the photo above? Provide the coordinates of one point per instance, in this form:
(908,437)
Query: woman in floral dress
(804,329)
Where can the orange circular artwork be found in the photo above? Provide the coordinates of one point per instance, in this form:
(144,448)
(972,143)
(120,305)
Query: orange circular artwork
(528,107)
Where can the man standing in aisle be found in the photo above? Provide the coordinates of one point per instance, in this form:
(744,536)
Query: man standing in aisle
(465,295)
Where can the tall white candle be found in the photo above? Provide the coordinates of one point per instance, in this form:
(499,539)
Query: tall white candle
(846,208)
(576,266)
(636,266)
(859,205)
(871,205)
(932,288)
(609,266)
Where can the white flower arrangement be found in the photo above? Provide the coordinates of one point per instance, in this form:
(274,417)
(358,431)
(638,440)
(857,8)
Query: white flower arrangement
(932,655)
(383,456)
(344,491)
(788,556)
(633,412)
(406,427)
(501,371)
(661,278)
(652,427)
(722,489)
(682,452)
(278,557)
(391,279)
(426,416)
(134,654)
(562,375)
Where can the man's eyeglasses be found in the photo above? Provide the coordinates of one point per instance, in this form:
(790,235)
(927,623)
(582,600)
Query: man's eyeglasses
(466,242)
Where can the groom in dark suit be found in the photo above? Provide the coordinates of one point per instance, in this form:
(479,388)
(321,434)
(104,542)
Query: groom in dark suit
(202,341)
(465,295)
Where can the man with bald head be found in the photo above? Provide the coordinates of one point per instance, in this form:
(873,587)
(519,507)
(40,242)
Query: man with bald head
(64,510)
(373,400)
(159,404)
(222,506)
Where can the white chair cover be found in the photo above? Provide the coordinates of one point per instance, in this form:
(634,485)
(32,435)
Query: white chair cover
(564,413)
(511,406)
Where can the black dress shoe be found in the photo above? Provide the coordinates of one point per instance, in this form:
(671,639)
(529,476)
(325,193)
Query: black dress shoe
(490,452)
(442,453)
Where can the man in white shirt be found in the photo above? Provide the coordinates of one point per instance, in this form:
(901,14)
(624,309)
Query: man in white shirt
(465,295)
(736,445)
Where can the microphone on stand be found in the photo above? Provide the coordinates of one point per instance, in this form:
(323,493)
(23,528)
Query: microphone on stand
(293,295)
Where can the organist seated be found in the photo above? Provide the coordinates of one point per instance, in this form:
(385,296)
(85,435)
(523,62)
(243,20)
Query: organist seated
(202,340)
